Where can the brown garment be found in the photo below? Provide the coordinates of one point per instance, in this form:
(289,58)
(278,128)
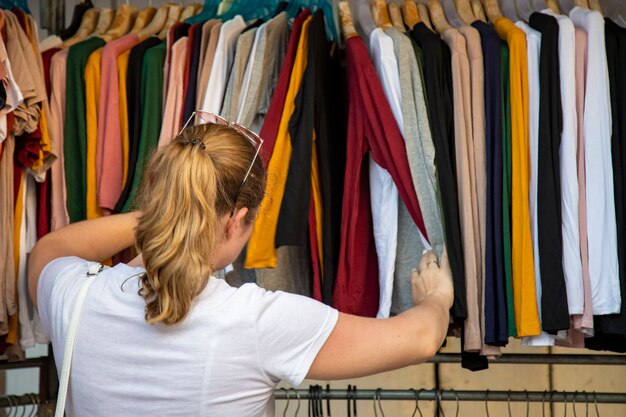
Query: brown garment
(7,261)
(207,62)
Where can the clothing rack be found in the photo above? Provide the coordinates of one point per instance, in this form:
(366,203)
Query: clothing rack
(453,395)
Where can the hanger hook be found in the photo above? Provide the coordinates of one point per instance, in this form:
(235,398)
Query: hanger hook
(297,394)
(286,405)
(380,405)
(508,402)
(439,405)
(574,403)
(354,395)
(565,404)
(375,410)
(417,402)
(487,402)
(586,404)
(527,403)
(458,406)
(595,403)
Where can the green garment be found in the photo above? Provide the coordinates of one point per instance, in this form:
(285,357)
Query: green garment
(506,187)
(151,99)
(75,136)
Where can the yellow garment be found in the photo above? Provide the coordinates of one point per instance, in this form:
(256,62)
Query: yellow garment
(92,98)
(261,248)
(122,66)
(12,336)
(317,204)
(524,292)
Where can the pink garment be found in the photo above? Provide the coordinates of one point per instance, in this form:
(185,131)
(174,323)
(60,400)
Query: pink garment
(58,68)
(109,155)
(584,322)
(175,95)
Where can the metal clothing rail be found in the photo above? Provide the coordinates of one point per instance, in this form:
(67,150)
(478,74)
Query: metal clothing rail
(452,395)
(540,359)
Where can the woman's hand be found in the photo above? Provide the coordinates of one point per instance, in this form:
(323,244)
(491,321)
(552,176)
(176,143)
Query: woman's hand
(433,279)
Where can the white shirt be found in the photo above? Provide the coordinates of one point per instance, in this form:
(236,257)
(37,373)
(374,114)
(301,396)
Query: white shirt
(222,61)
(383,191)
(533,43)
(601,223)
(224,359)
(572,264)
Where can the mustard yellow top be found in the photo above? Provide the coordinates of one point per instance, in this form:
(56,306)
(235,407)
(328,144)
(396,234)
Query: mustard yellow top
(524,294)
(261,248)
(92,98)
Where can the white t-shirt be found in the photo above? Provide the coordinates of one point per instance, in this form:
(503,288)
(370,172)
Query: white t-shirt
(223,359)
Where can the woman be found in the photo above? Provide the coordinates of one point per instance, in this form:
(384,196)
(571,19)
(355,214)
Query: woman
(161,336)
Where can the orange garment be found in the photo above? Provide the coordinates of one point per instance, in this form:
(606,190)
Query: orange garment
(122,67)
(92,98)
(524,294)
(261,248)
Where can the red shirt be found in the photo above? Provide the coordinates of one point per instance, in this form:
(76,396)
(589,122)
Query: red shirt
(371,128)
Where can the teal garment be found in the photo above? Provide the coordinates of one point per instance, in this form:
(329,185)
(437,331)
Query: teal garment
(506,187)
(75,136)
(151,100)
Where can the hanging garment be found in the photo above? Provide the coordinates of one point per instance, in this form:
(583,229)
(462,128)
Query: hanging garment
(493,313)
(523,276)
(601,224)
(355,287)
(150,116)
(134,99)
(383,192)
(211,30)
(263,71)
(110,152)
(222,62)
(235,80)
(572,265)
(261,252)
(174,98)
(92,103)
(438,84)
(75,144)
(192,70)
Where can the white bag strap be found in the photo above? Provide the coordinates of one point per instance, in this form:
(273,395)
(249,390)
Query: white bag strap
(64,381)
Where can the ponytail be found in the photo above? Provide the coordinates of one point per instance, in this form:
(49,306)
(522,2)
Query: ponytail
(188,187)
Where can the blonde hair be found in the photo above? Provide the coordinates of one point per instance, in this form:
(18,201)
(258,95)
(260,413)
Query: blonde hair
(188,186)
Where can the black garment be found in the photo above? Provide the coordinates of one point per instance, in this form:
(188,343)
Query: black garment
(191,93)
(133,98)
(77,17)
(554,312)
(438,83)
(472,360)
(180,31)
(615,38)
(495,331)
(318,111)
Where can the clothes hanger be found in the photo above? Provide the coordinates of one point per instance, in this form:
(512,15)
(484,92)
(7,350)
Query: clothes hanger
(438,17)
(438,407)
(492,9)
(122,23)
(354,400)
(464,11)
(87,25)
(380,14)
(410,13)
(104,21)
(487,403)
(417,402)
(157,23)
(377,403)
(144,17)
(396,17)
(554,6)
(451,15)
(595,5)
(345,18)
(508,402)
(479,12)
(187,12)
(173,15)
(297,394)
(425,14)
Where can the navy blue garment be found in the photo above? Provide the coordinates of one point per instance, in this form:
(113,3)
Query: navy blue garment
(189,105)
(554,311)
(438,84)
(495,331)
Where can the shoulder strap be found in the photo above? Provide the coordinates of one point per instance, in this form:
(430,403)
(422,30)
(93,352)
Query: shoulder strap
(70,337)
